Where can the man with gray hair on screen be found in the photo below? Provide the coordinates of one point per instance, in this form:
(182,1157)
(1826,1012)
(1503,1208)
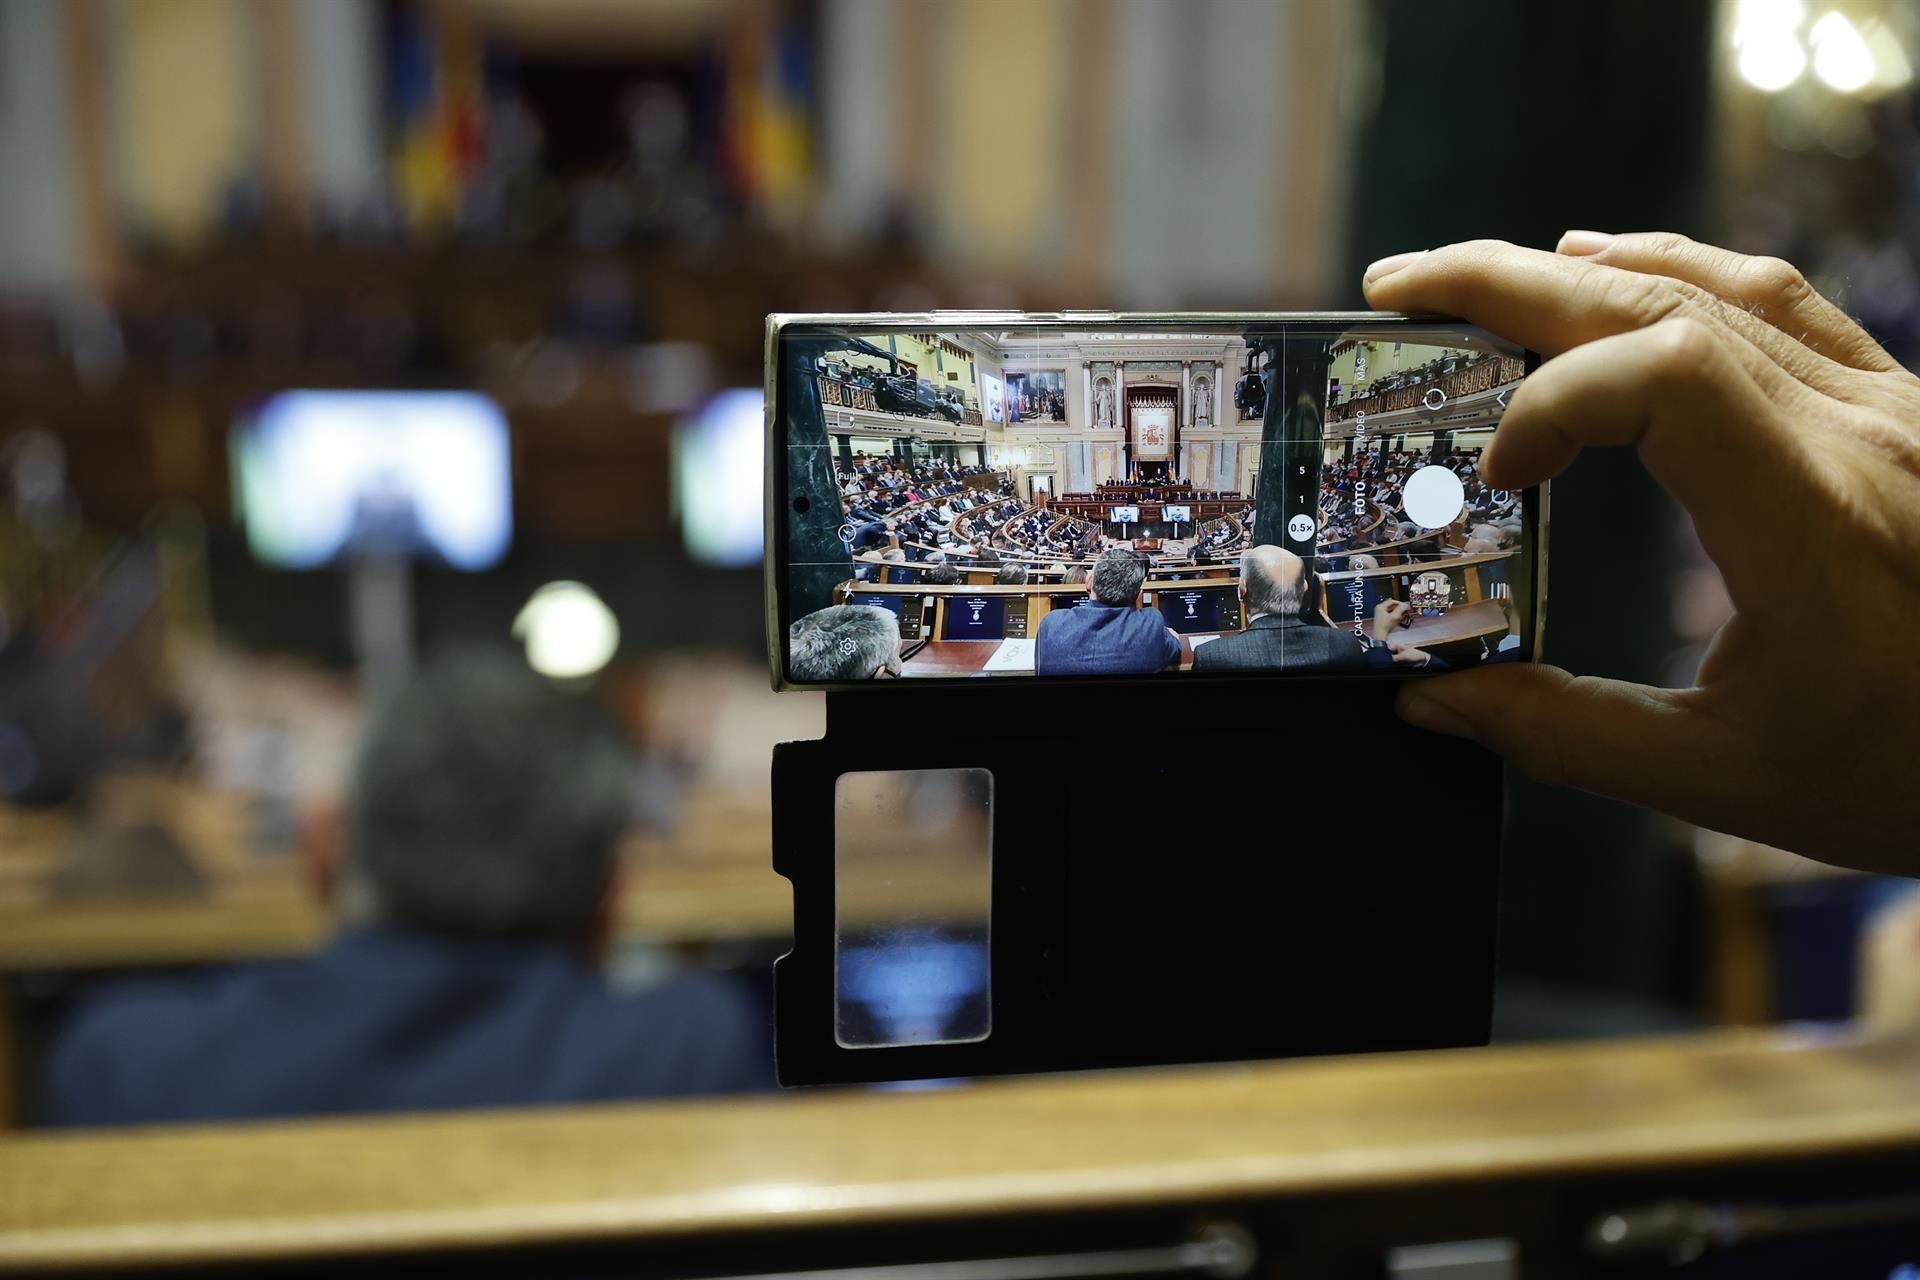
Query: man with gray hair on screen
(1286,632)
(844,642)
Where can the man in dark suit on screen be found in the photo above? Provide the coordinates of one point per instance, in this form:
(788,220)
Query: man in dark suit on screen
(1279,637)
(1111,634)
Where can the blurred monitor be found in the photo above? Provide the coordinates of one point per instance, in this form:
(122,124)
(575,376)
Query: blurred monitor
(1194,609)
(1126,515)
(1177,513)
(326,476)
(718,455)
(975,618)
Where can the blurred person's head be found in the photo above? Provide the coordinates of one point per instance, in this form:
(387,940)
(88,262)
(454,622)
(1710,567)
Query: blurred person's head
(943,575)
(1011,575)
(844,642)
(485,801)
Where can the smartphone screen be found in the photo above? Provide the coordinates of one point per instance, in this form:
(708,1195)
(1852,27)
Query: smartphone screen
(1170,498)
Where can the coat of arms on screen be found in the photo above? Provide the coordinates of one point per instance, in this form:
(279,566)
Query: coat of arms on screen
(1153,435)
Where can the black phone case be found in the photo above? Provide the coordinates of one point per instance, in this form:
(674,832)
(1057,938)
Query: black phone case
(1256,895)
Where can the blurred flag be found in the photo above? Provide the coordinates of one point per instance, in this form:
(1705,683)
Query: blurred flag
(440,109)
(769,102)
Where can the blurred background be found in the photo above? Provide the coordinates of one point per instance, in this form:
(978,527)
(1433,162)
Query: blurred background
(570,218)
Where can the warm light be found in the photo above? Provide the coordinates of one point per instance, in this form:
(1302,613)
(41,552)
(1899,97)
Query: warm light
(1763,17)
(1840,57)
(1772,60)
(568,630)
(1891,68)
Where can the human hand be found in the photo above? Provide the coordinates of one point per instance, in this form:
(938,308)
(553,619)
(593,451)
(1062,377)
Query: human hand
(1408,655)
(1389,616)
(1793,440)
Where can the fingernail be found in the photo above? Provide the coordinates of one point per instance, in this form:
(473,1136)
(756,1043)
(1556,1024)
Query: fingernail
(1424,711)
(1387,266)
(1581,244)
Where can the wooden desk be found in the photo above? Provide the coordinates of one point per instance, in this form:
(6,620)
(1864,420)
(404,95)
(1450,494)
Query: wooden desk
(1327,1162)
(1462,622)
(271,917)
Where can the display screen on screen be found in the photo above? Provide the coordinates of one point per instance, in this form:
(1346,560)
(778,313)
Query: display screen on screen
(971,616)
(329,476)
(910,610)
(1196,608)
(1319,467)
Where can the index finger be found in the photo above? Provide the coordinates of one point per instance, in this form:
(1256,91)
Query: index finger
(1545,301)
(1553,303)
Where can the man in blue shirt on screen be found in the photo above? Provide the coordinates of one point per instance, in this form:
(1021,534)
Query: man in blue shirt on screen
(1111,634)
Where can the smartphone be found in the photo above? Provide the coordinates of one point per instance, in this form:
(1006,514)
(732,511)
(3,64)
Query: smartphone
(1087,497)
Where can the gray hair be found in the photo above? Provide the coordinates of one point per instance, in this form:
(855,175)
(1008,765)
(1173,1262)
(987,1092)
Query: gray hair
(893,555)
(1266,592)
(1011,575)
(1116,576)
(843,642)
(943,575)
(485,801)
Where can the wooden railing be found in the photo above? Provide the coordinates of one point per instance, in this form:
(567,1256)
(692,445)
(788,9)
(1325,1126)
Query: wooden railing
(1482,375)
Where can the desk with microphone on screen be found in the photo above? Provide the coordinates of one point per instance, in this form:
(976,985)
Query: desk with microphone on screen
(971,629)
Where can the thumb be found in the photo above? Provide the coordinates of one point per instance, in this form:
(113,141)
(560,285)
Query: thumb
(1647,746)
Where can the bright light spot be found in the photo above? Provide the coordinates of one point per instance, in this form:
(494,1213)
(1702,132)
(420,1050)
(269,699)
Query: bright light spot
(718,482)
(1433,497)
(1892,69)
(1761,17)
(1840,57)
(1772,59)
(568,630)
